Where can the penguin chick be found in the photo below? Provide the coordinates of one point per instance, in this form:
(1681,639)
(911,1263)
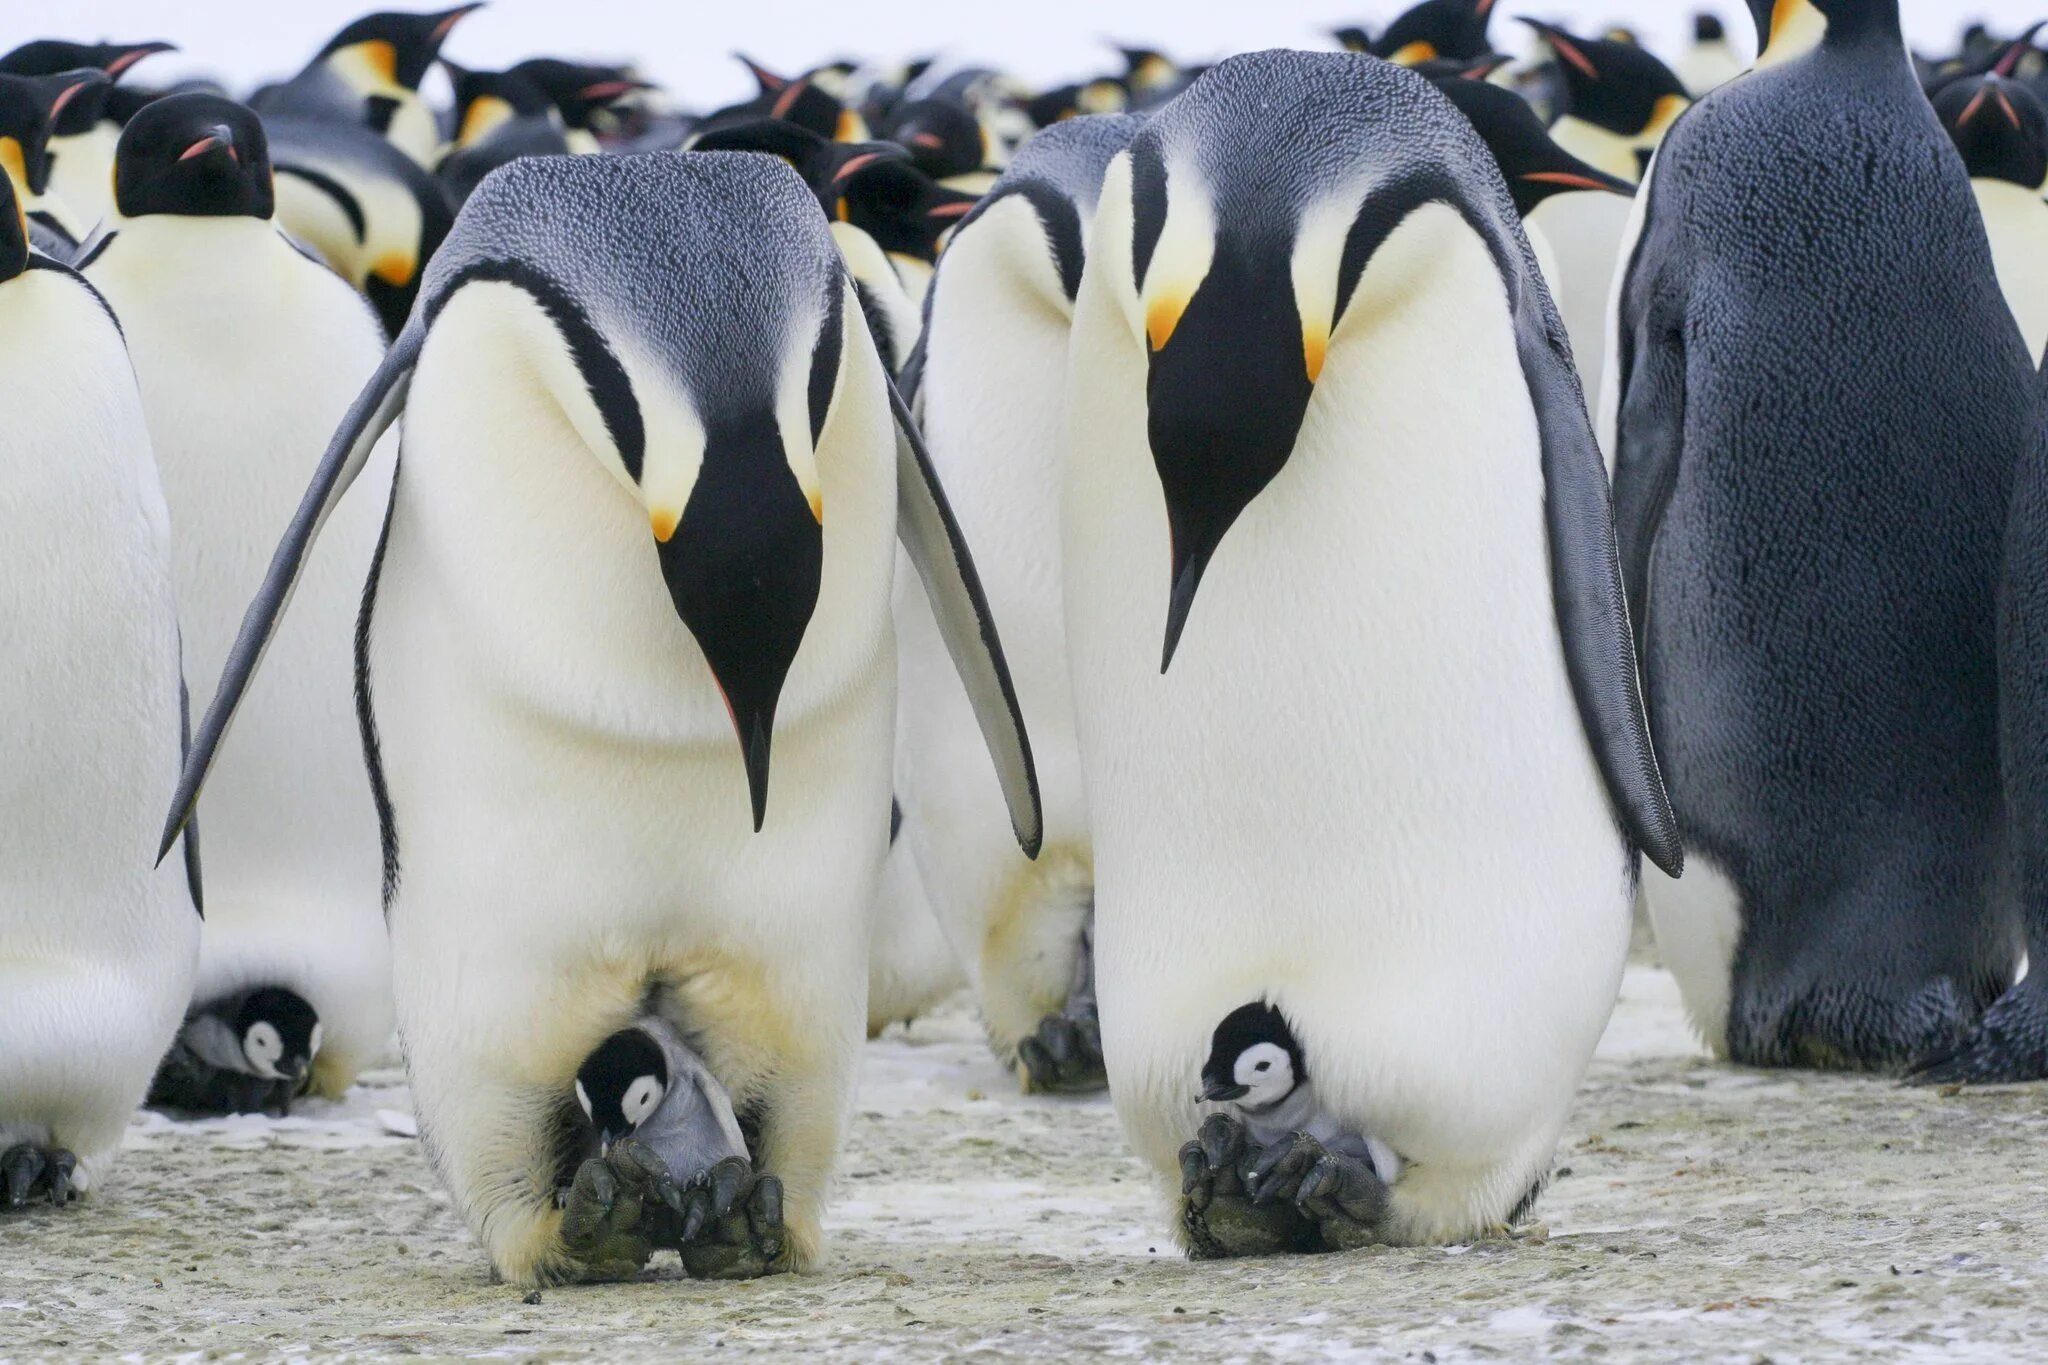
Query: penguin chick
(647,1084)
(251,1051)
(1256,1067)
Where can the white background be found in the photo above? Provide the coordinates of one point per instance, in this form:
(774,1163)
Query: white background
(685,43)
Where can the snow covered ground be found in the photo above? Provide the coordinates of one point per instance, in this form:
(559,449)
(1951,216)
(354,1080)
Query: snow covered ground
(1699,1213)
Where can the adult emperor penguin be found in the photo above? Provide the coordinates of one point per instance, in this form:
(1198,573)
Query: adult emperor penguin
(1390,773)
(1710,62)
(100,947)
(82,141)
(1811,475)
(2001,129)
(991,398)
(1436,30)
(30,108)
(248,352)
(370,73)
(652,477)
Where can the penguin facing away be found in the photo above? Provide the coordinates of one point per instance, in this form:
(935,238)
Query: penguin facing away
(551,695)
(81,151)
(2001,129)
(1813,548)
(247,353)
(100,946)
(1710,62)
(1242,319)
(990,393)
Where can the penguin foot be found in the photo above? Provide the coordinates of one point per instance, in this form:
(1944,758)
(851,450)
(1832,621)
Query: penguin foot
(28,1173)
(732,1224)
(2008,1046)
(189,1086)
(1218,1211)
(1343,1196)
(1064,1057)
(621,1208)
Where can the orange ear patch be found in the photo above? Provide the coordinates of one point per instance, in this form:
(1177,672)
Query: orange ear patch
(394,269)
(383,58)
(1161,318)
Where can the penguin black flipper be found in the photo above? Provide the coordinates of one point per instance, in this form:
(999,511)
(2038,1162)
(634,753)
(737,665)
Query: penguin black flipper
(373,412)
(192,878)
(929,532)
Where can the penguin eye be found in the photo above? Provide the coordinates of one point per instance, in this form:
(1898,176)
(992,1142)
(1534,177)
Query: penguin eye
(1263,1066)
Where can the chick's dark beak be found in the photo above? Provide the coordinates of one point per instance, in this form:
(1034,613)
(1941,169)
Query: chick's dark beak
(1222,1092)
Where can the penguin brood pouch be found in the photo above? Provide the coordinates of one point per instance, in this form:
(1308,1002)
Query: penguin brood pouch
(641,542)
(1327,455)
(1819,401)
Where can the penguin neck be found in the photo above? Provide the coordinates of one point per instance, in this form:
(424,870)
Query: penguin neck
(1791,29)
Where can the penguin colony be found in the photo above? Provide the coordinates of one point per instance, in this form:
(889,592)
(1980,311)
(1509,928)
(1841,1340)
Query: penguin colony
(1239,566)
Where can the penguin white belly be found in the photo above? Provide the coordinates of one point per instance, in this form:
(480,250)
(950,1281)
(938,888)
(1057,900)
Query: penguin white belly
(97,943)
(82,171)
(413,128)
(1546,261)
(1584,231)
(2016,220)
(911,966)
(1698,923)
(1363,791)
(247,355)
(993,398)
(572,814)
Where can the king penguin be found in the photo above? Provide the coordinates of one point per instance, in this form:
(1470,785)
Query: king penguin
(2001,129)
(248,352)
(1391,772)
(990,394)
(652,476)
(82,141)
(1811,477)
(100,947)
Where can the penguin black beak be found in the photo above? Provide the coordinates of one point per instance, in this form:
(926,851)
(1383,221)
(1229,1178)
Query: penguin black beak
(445,22)
(605,92)
(130,55)
(1229,384)
(743,564)
(1222,1092)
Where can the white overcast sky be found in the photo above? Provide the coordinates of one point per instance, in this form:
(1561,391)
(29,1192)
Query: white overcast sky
(686,43)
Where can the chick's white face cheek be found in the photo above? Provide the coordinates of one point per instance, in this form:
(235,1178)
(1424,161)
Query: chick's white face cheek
(263,1046)
(583,1099)
(641,1099)
(1266,1069)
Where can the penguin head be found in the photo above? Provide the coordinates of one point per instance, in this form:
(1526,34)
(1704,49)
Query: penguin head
(622,1083)
(386,51)
(1353,38)
(1446,30)
(1613,85)
(799,100)
(52,57)
(487,100)
(1254,1060)
(581,91)
(1998,125)
(194,155)
(30,108)
(279,1032)
(1787,29)
(1531,162)
(1147,69)
(943,138)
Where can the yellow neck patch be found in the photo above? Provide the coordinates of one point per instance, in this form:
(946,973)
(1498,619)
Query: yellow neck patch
(15,163)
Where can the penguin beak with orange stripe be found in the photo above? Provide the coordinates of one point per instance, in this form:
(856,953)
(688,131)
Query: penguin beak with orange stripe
(398,48)
(30,109)
(1530,160)
(52,57)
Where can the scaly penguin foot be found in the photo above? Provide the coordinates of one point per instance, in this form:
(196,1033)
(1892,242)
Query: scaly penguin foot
(1343,1196)
(190,1086)
(28,1171)
(2009,1044)
(732,1224)
(621,1208)
(1064,1057)
(1218,1212)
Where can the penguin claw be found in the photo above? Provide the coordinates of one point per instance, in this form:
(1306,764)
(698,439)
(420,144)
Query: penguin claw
(1064,1056)
(1218,1214)
(2008,1046)
(736,1230)
(1341,1195)
(27,1171)
(606,1227)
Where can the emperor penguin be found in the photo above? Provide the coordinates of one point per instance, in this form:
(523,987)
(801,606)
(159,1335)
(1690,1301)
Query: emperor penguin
(372,213)
(1436,30)
(1710,62)
(1811,480)
(2001,129)
(81,153)
(1390,771)
(370,73)
(30,109)
(100,946)
(991,395)
(1619,102)
(652,476)
(589,97)
(248,352)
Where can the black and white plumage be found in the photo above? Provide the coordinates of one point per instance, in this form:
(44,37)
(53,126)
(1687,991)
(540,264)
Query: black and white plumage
(242,1053)
(646,1083)
(1256,1069)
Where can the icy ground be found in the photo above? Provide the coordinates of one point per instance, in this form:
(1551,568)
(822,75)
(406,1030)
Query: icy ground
(1698,1213)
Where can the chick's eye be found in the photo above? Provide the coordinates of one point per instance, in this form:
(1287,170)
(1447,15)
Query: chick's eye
(1263,1066)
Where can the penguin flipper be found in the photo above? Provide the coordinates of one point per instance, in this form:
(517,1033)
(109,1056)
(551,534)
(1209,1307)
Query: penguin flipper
(373,412)
(193,881)
(929,532)
(1586,580)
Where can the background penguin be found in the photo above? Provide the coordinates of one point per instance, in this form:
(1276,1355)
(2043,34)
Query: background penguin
(30,107)
(588,97)
(649,450)
(2001,130)
(1710,62)
(1437,30)
(1366,578)
(793,99)
(1811,473)
(82,140)
(364,207)
(246,1053)
(370,73)
(100,947)
(991,395)
(1619,102)
(247,352)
